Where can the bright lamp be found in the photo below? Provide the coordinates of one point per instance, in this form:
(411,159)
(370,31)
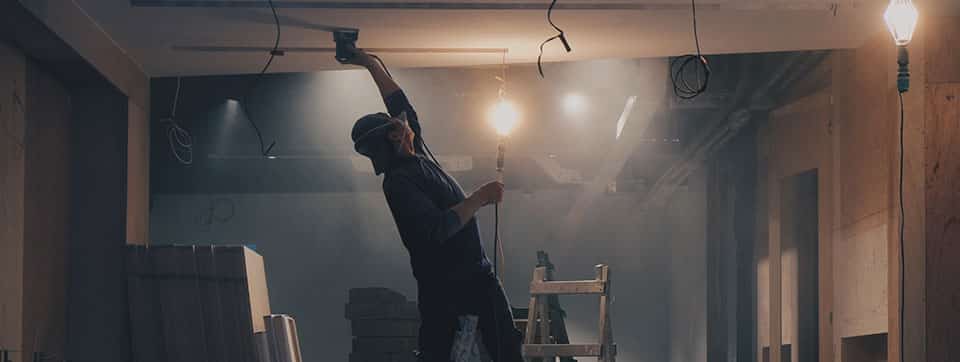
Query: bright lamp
(901,17)
(503,117)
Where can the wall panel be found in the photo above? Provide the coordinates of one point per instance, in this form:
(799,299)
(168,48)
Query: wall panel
(12,173)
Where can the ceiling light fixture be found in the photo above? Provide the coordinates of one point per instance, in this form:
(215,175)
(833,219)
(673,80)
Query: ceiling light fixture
(575,104)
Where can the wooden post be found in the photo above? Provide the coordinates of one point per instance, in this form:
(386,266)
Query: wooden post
(532,313)
(606,355)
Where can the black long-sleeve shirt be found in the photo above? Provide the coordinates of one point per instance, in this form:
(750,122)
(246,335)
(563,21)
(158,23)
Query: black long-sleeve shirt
(420,195)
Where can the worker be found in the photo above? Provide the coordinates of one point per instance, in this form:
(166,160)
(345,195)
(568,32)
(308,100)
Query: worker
(438,227)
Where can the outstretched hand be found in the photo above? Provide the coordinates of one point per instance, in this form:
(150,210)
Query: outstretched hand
(490,193)
(360,57)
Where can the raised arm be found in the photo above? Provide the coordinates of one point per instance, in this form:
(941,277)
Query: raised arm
(393,97)
(384,81)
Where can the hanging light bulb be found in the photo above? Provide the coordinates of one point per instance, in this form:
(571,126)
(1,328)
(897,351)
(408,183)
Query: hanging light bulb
(901,17)
(503,117)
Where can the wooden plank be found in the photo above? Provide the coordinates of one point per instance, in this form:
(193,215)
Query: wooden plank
(775,335)
(256,278)
(530,332)
(147,335)
(942,212)
(235,258)
(46,212)
(12,82)
(138,174)
(568,287)
(544,314)
(562,350)
(213,323)
(190,296)
(233,325)
(942,34)
(72,24)
(606,335)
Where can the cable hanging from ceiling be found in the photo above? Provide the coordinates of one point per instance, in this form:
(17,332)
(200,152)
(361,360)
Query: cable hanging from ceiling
(681,68)
(560,35)
(180,140)
(274,52)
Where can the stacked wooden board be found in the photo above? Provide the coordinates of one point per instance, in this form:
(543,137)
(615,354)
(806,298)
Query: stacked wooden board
(385,325)
(281,339)
(195,303)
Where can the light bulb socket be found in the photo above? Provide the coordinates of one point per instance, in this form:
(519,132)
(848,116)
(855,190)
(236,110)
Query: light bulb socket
(903,70)
(501,150)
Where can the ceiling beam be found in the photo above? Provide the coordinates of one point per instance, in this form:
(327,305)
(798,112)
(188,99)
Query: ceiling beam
(256,49)
(467,5)
(64,30)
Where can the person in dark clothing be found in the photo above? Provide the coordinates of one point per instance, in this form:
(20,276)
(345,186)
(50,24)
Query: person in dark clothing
(438,227)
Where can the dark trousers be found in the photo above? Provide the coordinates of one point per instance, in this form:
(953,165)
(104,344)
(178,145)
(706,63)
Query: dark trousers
(484,298)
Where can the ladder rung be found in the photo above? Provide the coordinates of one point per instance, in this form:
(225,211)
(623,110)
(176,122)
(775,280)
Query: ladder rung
(562,350)
(571,287)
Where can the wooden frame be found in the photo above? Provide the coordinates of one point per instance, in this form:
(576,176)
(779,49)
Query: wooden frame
(538,316)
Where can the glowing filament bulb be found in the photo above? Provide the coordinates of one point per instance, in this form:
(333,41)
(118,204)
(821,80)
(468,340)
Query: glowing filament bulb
(901,17)
(503,117)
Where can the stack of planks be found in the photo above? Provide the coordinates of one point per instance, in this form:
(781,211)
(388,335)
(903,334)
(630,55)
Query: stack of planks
(385,325)
(195,303)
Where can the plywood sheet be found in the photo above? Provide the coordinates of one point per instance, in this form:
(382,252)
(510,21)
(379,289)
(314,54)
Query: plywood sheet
(12,173)
(138,174)
(47,215)
(941,36)
(942,221)
(860,277)
(864,117)
(257,283)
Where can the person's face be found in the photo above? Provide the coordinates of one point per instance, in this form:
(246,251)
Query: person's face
(401,135)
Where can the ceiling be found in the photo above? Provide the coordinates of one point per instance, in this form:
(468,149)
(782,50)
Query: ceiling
(150,30)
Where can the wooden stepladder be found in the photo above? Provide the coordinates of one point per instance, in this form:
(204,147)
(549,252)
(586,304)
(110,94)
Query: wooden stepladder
(537,341)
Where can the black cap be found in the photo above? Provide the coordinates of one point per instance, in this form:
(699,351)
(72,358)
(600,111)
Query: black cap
(369,137)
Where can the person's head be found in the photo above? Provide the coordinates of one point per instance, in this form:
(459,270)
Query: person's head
(382,139)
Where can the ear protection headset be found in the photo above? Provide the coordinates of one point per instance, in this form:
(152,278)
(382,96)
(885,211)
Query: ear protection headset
(362,145)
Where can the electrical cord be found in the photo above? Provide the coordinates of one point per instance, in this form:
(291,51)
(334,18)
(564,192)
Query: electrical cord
(177,136)
(685,88)
(903,263)
(496,247)
(264,151)
(560,35)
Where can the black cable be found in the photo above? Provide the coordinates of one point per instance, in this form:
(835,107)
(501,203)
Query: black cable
(560,35)
(496,238)
(246,104)
(176,134)
(429,152)
(903,264)
(496,244)
(679,68)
